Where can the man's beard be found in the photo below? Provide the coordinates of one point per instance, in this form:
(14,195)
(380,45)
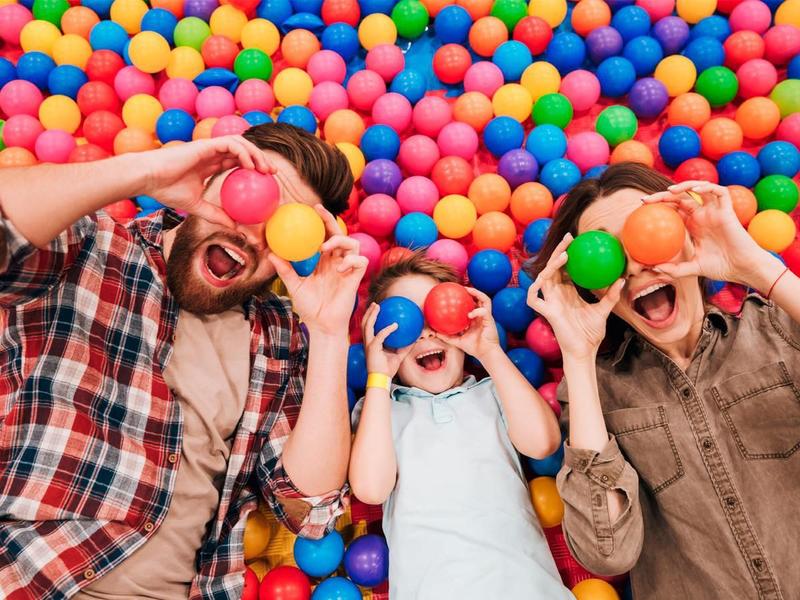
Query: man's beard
(195,295)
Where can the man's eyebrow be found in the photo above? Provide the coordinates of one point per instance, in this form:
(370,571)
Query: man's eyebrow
(208,184)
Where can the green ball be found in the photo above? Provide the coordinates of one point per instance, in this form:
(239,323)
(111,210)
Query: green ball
(778,192)
(617,124)
(510,12)
(411,18)
(252,63)
(191,31)
(595,260)
(787,96)
(2,143)
(553,109)
(50,10)
(718,85)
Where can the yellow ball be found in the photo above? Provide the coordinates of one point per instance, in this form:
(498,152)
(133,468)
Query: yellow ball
(229,21)
(693,11)
(354,156)
(292,86)
(295,232)
(149,52)
(141,111)
(72,49)
(512,100)
(677,73)
(4,2)
(455,216)
(256,535)
(376,29)
(552,11)
(60,112)
(39,36)
(342,225)
(594,589)
(788,13)
(772,229)
(546,501)
(541,78)
(129,13)
(261,34)
(185,62)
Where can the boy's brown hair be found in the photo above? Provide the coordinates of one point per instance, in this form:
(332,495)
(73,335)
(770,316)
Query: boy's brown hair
(415,264)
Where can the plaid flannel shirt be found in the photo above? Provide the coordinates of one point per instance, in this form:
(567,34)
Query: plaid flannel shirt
(90,435)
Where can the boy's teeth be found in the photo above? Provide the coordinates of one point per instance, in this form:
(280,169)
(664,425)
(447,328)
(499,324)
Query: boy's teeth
(234,256)
(650,290)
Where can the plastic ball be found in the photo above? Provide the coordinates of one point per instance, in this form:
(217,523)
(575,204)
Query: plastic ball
(631,22)
(408,317)
(502,134)
(672,33)
(326,98)
(378,215)
(588,16)
(788,13)
(285,582)
(741,47)
(16,157)
(657,9)
(409,83)
(35,67)
(531,201)
(595,260)
(319,558)
(773,230)
(566,51)
(486,35)
(66,80)
(149,52)
(449,252)
(298,46)
(295,232)
(689,109)
(535,234)
(356,368)
(512,100)
(653,234)
(394,110)
(127,139)
(534,32)
(510,310)
(39,36)
(715,26)
(50,10)
(738,168)
(261,34)
(474,109)
(718,85)
(484,77)
(777,192)
(13,17)
(581,88)
(458,139)
(214,101)
(546,142)
(559,176)
(128,13)
(756,77)
(494,230)
(103,65)
(160,21)
(452,175)
(645,53)
(410,17)
(678,144)
(230,125)
(719,136)
(219,51)
(60,112)
(594,589)
(355,158)
(789,130)
(248,196)
(22,131)
(386,60)
(344,11)
(202,9)
(253,94)
(677,73)
(415,230)
(705,52)
(174,124)
(779,158)
(604,42)
(381,176)
(450,63)
(418,155)
(781,44)
(191,32)
(518,166)
(512,57)
(291,86)
(130,81)
(336,588)
(787,96)
(364,88)
(489,271)
(554,109)
(750,15)
(376,29)
(632,151)
(417,194)
(648,98)
(588,149)
(509,12)
(202,130)
(367,558)
(552,12)
(380,141)
(693,11)
(369,248)
(452,25)
(455,216)
(326,65)
(489,192)
(758,117)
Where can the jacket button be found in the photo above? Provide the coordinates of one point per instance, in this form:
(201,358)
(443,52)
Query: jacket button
(604,478)
(88,574)
(707,444)
(148,526)
(686,392)
(582,464)
(730,501)
(758,564)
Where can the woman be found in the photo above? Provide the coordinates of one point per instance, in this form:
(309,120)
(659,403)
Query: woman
(682,462)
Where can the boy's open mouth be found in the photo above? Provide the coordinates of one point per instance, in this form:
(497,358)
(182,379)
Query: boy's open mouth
(656,303)
(431,360)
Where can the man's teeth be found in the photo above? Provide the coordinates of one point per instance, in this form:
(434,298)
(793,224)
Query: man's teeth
(431,353)
(234,256)
(650,290)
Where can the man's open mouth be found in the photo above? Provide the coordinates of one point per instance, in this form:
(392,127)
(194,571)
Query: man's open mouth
(656,303)
(224,263)
(432,360)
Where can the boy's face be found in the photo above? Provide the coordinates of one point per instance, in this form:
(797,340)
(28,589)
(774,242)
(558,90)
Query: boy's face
(432,364)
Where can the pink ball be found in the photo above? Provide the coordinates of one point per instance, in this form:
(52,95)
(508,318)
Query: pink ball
(54,146)
(751,15)
(418,154)
(581,88)
(229,125)
(254,94)
(781,43)
(756,77)
(20,97)
(130,81)
(249,197)
(378,214)
(657,9)
(386,60)
(326,65)
(588,149)
(22,130)
(214,101)
(431,114)
(327,97)
(417,194)
(13,18)
(367,246)
(788,130)
(449,252)
(458,139)
(364,88)
(541,339)
(485,77)
(548,391)
(179,93)
(393,110)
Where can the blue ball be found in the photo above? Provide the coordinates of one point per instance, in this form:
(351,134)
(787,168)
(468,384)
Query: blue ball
(502,336)
(678,144)
(342,39)
(566,52)
(512,58)
(257,117)
(631,22)
(369,7)
(560,176)
(548,466)
(705,52)
(510,309)
(276,11)
(617,75)
(174,124)
(357,368)
(307,6)
(319,558)
(66,80)
(529,364)
(101,7)
(8,72)
(489,271)
(126,55)
(738,168)
(380,141)
(793,70)
(35,67)
(644,53)
(299,116)
(779,158)
(502,134)
(148,203)
(352,400)
(524,279)
(595,172)
(304,268)
(452,24)
(415,230)
(546,142)
(535,235)
(714,287)
(715,26)
(161,21)
(778,256)
(108,35)
(407,315)
(336,588)
(409,83)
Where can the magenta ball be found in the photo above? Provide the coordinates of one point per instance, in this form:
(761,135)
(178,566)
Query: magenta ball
(215,101)
(248,196)
(229,125)
(20,97)
(458,139)
(13,18)
(254,94)
(364,88)
(756,77)
(393,110)
(378,214)
(327,97)
(657,9)
(22,130)
(788,130)
(484,77)
(781,44)
(541,339)
(751,15)
(369,248)
(588,149)
(130,81)
(54,146)
(581,88)
(386,60)
(548,391)
(417,194)
(449,252)
(178,93)
(418,154)
(431,114)
(326,65)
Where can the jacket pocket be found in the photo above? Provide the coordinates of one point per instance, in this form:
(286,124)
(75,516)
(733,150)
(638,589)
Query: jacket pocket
(645,439)
(762,410)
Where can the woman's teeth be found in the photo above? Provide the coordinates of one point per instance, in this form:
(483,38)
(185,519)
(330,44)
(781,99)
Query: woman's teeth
(649,290)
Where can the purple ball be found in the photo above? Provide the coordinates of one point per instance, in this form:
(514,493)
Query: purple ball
(517,167)
(381,176)
(648,97)
(201,9)
(672,33)
(615,5)
(367,560)
(602,43)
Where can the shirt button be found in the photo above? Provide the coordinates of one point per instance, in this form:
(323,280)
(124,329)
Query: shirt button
(172,458)
(604,478)
(758,564)
(582,464)
(88,574)
(730,501)
(686,392)
(148,527)
(707,444)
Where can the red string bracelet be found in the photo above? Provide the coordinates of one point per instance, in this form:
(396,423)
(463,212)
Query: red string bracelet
(772,287)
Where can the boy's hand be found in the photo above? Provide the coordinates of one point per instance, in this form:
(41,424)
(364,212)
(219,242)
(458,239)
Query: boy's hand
(380,359)
(481,337)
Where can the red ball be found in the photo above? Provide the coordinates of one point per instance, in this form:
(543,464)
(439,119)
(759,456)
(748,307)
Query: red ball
(741,47)
(122,210)
(285,583)
(395,254)
(782,42)
(87,153)
(541,339)
(219,51)
(251,584)
(534,32)
(548,392)
(103,65)
(447,308)
(726,6)
(341,11)
(791,256)
(696,169)
(97,95)
(450,63)
(101,127)
(246,6)
(756,77)
(452,175)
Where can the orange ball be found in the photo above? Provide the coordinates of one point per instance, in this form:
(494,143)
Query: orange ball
(486,34)
(595,589)
(744,203)
(474,109)
(653,234)
(298,46)
(494,230)
(79,20)
(632,151)
(343,125)
(202,130)
(689,109)
(588,15)
(546,501)
(15,156)
(434,6)
(531,201)
(133,139)
(758,117)
(476,8)
(720,136)
(173,6)
(489,192)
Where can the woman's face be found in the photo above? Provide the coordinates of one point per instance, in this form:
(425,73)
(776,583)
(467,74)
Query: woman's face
(661,308)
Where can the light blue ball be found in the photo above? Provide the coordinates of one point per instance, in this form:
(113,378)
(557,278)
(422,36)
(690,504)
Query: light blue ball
(319,558)
(535,234)
(546,142)
(336,588)
(108,35)
(415,230)
(779,158)
(257,117)
(409,83)
(512,58)
(560,176)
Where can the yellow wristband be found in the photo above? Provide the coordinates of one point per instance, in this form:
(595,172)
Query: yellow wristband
(379,380)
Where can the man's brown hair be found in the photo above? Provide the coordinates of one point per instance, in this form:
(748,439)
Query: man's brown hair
(415,264)
(323,166)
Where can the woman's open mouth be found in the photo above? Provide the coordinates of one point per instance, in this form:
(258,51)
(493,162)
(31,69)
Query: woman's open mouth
(433,360)
(223,264)
(656,304)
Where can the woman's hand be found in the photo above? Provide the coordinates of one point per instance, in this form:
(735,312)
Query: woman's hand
(481,337)
(579,326)
(380,359)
